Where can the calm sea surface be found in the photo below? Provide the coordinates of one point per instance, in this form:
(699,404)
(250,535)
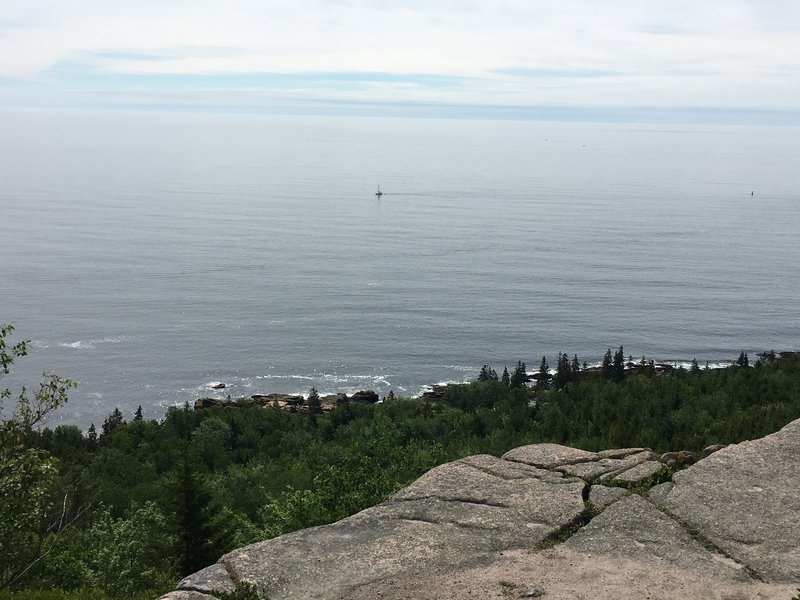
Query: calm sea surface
(149,256)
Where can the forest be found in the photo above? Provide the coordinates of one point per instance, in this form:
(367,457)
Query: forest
(125,511)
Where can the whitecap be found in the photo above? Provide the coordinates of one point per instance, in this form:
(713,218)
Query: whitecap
(210,385)
(80,344)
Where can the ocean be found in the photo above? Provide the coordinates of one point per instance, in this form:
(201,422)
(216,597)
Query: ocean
(150,256)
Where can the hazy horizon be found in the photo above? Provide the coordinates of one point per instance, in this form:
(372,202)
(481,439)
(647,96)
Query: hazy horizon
(576,60)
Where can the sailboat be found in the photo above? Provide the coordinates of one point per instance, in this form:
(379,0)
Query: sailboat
(379,193)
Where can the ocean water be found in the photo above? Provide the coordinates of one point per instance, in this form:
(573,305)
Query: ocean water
(150,256)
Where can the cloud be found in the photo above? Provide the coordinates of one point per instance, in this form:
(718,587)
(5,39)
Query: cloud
(731,53)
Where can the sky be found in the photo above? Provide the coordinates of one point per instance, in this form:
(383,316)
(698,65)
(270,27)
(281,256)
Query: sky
(695,59)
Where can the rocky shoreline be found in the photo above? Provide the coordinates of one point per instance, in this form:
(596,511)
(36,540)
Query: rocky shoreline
(433,393)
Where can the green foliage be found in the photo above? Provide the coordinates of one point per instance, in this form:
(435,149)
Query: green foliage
(606,367)
(30,513)
(743,362)
(128,554)
(113,421)
(618,367)
(487,374)
(313,401)
(199,538)
(171,496)
(520,375)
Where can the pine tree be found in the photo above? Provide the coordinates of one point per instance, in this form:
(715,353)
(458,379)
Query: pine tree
(138,415)
(314,403)
(506,378)
(619,365)
(576,368)
(91,438)
(544,374)
(200,540)
(488,374)
(695,368)
(606,369)
(519,376)
(743,361)
(563,371)
(113,421)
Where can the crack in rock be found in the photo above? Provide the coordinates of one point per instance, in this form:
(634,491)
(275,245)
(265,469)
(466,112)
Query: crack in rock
(431,521)
(477,502)
(231,571)
(705,542)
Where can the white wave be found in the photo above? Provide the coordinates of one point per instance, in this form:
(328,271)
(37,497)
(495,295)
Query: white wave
(303,377)
(80,344)
(210,385)
(93,343)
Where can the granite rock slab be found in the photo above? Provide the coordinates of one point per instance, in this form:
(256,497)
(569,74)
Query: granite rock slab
(745,499)
(455,515)
(635,529)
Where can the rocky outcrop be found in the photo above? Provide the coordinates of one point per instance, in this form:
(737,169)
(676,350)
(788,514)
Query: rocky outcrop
(365,397)
(553,522)
(290,402)
(202,403)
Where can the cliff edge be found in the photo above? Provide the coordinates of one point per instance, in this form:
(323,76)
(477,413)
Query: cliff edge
(553,522)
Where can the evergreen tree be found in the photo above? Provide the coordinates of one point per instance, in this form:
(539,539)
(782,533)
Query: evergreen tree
(606,369)
(520,375)
(200,540)
(619,365)
(695,368)
(544,374)
(576,368)
(113,421)
(487,374)
(314,403)
(562,375)
(138,415)
(743,362)
(506,378)
(91,438)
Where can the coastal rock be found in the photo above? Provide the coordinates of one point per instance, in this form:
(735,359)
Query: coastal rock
(202,403)
(632,528)
(365,397)
(279,400)
(333,400)
(187,595)
(484,527)
(744,499)
(621,452)
(435,394)
(601,495)
(604,468)
(456,515)
(638,474)
(548,456)
(214,578)
(709,450)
